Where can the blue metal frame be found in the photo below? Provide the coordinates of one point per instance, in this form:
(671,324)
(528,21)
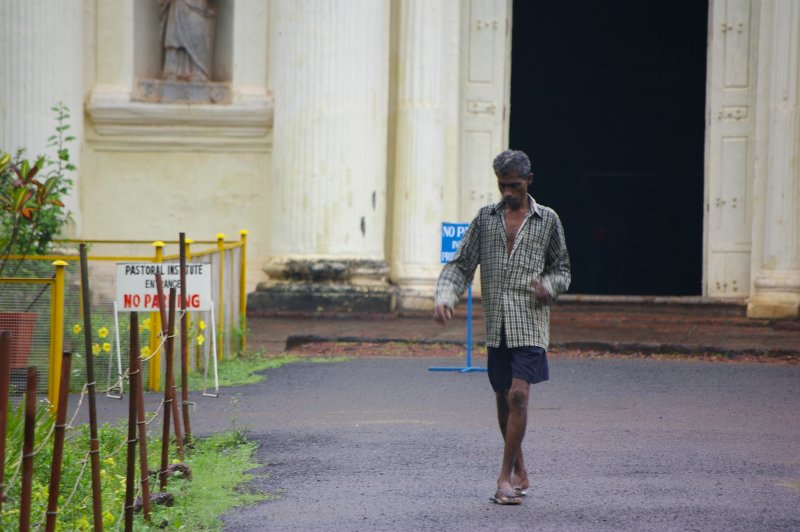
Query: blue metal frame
(469,368)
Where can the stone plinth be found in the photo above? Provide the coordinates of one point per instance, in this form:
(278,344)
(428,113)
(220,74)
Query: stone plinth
(161,91)
(776,296)
(322,286)
(320,298)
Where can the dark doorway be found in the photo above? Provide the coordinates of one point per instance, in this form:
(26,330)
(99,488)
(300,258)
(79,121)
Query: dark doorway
(608,99)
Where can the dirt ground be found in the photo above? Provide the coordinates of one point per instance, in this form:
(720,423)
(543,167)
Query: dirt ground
(433,350)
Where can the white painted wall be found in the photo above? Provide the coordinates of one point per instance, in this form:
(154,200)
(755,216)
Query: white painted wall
(302,184)
(154,170)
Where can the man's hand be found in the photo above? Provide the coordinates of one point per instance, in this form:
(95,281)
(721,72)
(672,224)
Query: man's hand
(442,313)
(542,294)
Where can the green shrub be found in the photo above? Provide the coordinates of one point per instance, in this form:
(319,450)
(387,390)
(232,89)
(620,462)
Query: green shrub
(31,194)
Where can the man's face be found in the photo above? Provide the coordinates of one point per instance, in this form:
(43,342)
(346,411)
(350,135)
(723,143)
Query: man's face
(514,188)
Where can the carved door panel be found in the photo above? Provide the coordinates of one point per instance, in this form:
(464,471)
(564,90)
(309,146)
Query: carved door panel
(485,89)
(729,147)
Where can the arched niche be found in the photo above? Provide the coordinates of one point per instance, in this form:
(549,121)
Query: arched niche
(148,57)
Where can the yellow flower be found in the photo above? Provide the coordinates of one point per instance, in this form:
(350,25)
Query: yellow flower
(109,460)
(200,339)
(176,461)
(76,329)
(102,332)
(146,351)
(95,349)
(106,347)
(202,325)
(146,324)
(108,519)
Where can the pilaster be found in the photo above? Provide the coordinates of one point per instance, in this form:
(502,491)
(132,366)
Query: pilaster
(329,71)
(418,195)
(41,65)
(776,285)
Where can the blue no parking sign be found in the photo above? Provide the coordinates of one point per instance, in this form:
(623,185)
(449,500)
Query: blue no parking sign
(452,234)
(451,239)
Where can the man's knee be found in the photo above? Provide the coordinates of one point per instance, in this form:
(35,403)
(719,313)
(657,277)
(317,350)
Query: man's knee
(518,397)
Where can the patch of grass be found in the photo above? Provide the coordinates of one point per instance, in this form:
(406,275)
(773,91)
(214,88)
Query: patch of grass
(241,369)
(219,466)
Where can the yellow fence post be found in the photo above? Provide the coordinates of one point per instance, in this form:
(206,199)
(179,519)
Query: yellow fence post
(52,358)
(243,289)
(221,316)
(189,340)
(57,334)
(154,378)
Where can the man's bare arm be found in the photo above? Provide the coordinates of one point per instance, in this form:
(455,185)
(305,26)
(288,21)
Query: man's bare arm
(442,313)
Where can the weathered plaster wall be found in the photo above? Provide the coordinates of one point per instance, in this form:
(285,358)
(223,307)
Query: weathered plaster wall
(151,171)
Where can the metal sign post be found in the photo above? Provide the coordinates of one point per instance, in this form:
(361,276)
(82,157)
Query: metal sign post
(451,238)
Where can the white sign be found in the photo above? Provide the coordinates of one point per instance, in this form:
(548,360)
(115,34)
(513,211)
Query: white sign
(136,286)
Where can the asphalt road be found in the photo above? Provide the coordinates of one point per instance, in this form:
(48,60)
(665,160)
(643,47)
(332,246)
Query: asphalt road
(612,444)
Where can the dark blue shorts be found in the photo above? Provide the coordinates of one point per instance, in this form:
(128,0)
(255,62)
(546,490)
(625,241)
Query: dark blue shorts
(528,363)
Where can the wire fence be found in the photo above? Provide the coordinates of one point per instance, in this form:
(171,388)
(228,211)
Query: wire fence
(27,309)
(44,509)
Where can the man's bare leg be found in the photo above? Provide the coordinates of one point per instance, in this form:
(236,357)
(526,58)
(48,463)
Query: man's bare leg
(519,474)
(512,407)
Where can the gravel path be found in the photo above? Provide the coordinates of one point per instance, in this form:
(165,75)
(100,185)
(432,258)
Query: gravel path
(613,444)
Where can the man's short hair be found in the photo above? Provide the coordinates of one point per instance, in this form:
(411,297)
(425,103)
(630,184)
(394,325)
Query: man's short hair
(512,161)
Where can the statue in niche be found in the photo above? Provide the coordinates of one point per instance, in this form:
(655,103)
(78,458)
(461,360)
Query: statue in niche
(187,37)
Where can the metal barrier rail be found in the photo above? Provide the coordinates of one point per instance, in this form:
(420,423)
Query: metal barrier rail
(56,284)
(226,302)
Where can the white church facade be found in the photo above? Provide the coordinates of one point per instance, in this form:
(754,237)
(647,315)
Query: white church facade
(342,133)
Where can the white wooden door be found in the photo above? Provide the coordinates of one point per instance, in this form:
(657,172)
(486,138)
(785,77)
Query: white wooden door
(484,100)
(730,116)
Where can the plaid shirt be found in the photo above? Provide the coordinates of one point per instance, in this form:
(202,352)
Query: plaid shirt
(539,252)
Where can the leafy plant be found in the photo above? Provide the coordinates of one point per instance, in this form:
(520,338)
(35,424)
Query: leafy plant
(215,486)
(31,193)
(15,432)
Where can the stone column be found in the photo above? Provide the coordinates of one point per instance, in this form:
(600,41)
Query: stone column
(329,72)
(41,64)
(776,287)
(418,194)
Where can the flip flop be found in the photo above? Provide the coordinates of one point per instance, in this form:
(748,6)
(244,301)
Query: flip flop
(518,487)
(505,498)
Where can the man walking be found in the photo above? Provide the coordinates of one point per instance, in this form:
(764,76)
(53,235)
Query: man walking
(522,252)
